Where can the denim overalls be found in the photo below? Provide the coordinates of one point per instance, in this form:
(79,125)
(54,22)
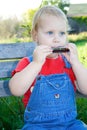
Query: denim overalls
(52,104)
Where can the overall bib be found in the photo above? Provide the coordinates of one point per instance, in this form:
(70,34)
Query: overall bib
(52,105)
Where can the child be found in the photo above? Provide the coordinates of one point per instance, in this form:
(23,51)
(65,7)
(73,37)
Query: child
(51,77)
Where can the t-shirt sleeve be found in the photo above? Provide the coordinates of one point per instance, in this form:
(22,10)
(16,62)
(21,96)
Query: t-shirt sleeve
(21,65)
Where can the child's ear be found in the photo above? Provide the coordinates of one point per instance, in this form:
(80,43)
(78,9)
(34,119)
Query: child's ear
(34,35)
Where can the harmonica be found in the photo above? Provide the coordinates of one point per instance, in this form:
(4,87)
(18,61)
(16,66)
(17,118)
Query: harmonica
(60,50)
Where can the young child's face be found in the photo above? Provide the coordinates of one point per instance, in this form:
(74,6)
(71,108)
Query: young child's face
(51,31)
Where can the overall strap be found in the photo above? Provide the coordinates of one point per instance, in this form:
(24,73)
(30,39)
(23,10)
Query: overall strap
(67,64)
(30,58)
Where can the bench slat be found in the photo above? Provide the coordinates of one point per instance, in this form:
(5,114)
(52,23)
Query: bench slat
(4,89)
(16,50)
(6,68)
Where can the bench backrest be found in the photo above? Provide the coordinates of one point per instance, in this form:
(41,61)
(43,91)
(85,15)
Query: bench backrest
(10,54)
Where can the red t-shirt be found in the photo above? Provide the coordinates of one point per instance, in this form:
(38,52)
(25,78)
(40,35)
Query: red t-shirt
(51,66)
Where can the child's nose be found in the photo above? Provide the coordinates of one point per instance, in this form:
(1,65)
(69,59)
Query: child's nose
(56,38)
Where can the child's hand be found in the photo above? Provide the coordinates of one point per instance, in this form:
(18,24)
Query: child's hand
(72,56)
(40,53)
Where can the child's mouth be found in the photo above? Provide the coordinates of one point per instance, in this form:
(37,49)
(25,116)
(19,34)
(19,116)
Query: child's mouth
(60,50)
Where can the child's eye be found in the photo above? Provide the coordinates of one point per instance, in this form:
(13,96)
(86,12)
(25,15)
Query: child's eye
(50,32)
(62,33)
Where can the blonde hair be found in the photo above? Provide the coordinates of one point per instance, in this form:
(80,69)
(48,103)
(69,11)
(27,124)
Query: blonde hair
(50,10)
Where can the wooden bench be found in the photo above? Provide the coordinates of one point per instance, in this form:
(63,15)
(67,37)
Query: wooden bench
(10,54)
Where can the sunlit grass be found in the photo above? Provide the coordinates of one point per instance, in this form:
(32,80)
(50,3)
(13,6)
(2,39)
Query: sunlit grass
(82,51)
(77,37)
(15,40)
(81,42)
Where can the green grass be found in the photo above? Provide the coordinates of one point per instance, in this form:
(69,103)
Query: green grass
(78,37)
(81,42)
(82,109)
(82,51)
(11,113)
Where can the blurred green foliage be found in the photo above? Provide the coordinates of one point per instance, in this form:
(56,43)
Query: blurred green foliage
(81,19)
